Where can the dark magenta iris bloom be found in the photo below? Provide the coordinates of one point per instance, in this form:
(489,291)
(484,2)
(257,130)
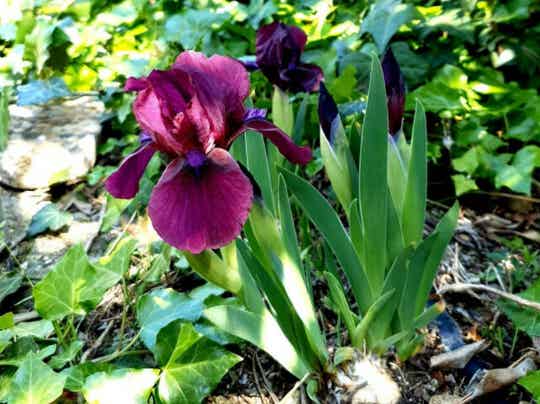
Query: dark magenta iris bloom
(278,51)
(192,113)
(395,91)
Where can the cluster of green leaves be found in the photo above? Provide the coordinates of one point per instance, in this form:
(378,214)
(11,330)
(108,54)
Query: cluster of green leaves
(389,265)
(474,64)
(40,360)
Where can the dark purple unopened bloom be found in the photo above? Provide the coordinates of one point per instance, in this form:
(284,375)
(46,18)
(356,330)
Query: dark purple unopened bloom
(395,91)
(192,113)
(328,112)
(279,48)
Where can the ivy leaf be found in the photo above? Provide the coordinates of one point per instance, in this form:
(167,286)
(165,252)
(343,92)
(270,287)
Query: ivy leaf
(77,375)
(37,329)
(6,320)
(68,288)
(518,176)
(67,354)
(135,385)
(160,307)
(192,365)
(384,20)
(17,352)
(436,97)
(532,383)
(468,162)
(74,286)
(463,184)
(413,66)
(39,40)
(48,217)
(189,29)
(343,87)
(40,91)
(525,319)
(9,283)
(35,382)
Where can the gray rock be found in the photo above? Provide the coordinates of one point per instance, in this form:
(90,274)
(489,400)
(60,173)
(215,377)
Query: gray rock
(51,143)
(47,249)
(16,212)
(38,255)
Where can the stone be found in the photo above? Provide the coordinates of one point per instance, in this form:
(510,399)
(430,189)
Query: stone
(51,143)
(445,398)
(16,212)
(47,249)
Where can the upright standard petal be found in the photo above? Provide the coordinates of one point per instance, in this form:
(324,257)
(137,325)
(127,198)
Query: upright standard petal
(196,208)
(124,182)
(221,69)
(221,84)
(395,91)
(278,51)
(293,153)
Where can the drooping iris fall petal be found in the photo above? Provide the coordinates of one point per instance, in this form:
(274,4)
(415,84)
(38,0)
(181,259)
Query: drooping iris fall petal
(278,50)
(395,91)
(124,182)
(292,152)
(196,208)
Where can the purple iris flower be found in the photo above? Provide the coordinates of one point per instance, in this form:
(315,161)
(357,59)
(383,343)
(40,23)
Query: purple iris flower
(192,113)
(278,51)
(395,92)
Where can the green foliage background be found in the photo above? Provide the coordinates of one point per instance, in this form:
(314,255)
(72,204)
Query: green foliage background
(474,64)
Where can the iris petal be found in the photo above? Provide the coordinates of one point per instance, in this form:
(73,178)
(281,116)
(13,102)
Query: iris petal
(221,84)
(293,153)
(124,182)
(195,210)
(134,84)
(278,50)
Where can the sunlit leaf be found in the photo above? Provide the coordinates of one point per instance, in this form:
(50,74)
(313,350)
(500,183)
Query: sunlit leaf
(372,174)
(35,383)
(76,375)
(414,204)
(158,308)
(122,385)
(68,288)
(384,19)
(192,365)
(327,221)
(532,383)
(263,331)
(463,184)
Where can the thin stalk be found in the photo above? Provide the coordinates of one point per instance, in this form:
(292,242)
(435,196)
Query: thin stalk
(123,352)
(124,314)
(59,334)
